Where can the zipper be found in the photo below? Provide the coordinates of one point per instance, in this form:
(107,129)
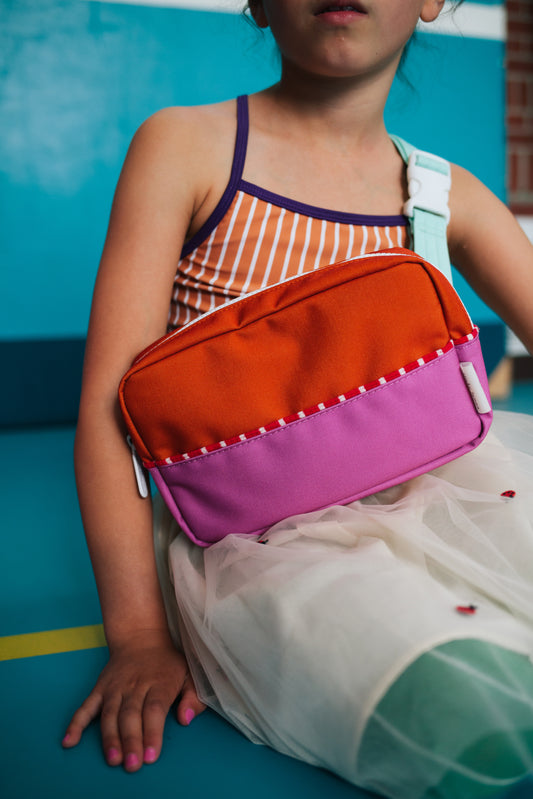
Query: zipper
(138,468)
(236,300)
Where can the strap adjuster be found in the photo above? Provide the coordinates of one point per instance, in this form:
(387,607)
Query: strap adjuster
(429,180)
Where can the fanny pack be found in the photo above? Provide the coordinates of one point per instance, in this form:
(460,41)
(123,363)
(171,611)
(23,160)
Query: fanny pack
(315,391)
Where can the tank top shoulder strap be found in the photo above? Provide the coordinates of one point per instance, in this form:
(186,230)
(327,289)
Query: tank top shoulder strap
(237,167)
(241,139)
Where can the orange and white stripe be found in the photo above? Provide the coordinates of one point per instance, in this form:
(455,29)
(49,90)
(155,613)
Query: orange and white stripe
(258,243)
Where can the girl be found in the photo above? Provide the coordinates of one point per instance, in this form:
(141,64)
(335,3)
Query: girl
(317,642)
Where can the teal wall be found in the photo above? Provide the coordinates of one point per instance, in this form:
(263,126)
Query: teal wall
(78,77)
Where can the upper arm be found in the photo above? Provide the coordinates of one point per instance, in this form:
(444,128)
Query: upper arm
(156,197)
(490,249)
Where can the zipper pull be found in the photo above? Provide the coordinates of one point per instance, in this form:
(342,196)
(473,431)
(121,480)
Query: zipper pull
(138,468)
(475,388)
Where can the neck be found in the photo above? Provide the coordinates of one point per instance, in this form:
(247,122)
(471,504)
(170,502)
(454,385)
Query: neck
(345,106)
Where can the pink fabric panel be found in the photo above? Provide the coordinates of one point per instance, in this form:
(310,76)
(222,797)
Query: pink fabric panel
(378,439)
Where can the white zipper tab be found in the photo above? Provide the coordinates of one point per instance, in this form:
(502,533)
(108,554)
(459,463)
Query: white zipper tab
(473,383)
(138,468)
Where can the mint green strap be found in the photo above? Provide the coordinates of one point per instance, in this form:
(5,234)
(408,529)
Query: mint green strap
(429,180)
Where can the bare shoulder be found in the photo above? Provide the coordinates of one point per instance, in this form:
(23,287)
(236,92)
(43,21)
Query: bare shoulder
(189,150)
(193,125)
(186,135)
(162,191)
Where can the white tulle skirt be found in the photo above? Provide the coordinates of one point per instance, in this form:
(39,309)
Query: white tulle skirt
(389,640)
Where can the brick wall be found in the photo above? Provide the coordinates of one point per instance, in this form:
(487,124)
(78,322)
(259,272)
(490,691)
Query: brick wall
(520,106)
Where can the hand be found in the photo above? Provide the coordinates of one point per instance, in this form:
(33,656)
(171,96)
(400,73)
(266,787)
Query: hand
(133,696)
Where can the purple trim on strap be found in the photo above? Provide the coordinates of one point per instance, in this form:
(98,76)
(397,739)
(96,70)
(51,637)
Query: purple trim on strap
(322,213)
(239,157)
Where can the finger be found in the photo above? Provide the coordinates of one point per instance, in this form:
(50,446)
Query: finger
(111,742)
(130,729)
(81,719)
(155,711)
(189,706)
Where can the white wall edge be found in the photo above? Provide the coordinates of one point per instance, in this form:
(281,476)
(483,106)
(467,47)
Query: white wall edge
(526,223)
(470,20)
(513,346)
(222,6)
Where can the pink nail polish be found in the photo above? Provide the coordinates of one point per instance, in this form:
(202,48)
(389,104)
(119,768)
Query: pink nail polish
(149,754)
(189,715)
(112,754)
(131,760)
(66,739)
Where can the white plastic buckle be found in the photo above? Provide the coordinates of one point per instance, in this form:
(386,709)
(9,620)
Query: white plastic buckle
(429,183)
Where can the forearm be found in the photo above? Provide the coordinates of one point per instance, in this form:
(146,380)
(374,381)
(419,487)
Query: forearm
(118,527)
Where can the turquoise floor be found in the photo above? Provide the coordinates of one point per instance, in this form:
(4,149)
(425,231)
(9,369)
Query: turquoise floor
(46,584)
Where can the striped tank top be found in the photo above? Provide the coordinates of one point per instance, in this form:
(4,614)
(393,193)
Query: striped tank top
(255,238)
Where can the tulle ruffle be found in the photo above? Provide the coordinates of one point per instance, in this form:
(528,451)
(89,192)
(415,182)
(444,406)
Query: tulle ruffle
(388,640)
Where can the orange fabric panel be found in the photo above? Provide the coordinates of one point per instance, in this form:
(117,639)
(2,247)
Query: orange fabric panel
(274,353)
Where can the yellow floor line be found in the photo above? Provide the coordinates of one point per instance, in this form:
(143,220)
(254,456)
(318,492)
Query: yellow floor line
(51,642)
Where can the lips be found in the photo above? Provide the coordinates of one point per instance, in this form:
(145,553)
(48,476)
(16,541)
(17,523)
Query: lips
(331,8)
